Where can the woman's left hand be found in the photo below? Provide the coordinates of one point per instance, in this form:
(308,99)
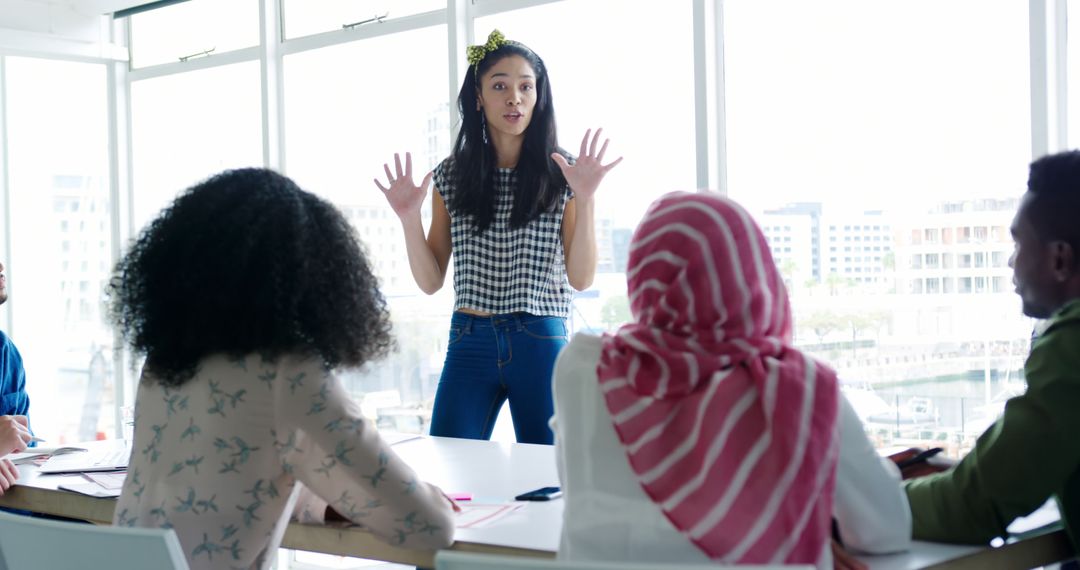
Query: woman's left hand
(584,176)
(842,559)
(8,474)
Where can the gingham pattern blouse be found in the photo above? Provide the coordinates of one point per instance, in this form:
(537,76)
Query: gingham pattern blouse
(507,270)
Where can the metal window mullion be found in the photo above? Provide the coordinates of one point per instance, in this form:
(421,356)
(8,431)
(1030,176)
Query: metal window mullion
(1061,74)
(5,187)
(1040,103)
(481,9)
(211,61)
(121,210)
(459,33)
(367,31)
(719,124)
(271,85)
(704,89)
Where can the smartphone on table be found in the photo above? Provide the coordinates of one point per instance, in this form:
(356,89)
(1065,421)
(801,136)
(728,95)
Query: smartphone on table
(541,494)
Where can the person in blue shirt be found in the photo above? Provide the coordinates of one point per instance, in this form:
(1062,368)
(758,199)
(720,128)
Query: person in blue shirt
(14,403)
(13,398)
(15,433)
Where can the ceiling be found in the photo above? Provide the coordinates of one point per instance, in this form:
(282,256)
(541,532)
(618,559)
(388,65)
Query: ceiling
(95,7)
(16,10)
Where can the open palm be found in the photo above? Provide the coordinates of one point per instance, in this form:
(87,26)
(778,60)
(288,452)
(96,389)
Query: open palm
(585,175)
(404,196)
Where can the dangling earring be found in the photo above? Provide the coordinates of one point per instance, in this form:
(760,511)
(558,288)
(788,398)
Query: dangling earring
(483,128)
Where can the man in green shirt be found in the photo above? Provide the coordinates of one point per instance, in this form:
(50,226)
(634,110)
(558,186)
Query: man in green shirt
(1032,452)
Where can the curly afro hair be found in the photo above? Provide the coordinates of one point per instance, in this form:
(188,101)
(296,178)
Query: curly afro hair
(247,262)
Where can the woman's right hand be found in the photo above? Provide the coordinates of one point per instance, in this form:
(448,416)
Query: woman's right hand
(404,197)
(14,434)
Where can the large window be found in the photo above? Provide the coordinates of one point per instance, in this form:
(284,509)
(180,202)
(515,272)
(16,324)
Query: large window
(894,133)
(61,244)
(837,116)
(306,17)
(640,92)
(348,110)
(189,126)
(193,29)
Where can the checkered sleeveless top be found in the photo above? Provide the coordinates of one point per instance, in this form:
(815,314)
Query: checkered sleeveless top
(507,270)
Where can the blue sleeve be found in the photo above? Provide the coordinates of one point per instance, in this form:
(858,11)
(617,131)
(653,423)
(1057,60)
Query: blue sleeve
(13,398)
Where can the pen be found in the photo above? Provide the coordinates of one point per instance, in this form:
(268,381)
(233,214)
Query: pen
(38,439)
(921,457)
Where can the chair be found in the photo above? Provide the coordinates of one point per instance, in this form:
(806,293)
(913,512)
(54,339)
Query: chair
(449,560)
(42,544)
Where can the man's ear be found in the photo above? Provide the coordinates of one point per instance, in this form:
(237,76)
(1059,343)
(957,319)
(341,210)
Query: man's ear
(1064,260)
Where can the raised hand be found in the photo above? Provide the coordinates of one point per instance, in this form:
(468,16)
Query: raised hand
(404,197)
(585,175)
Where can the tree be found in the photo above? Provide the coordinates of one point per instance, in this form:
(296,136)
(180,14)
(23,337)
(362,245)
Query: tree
(833,281)
(867,321)
(616,311)
(823,323)
(787,268)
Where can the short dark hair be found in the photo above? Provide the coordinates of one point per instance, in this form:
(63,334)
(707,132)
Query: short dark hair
(1054,198)
(540,181)
(247,262)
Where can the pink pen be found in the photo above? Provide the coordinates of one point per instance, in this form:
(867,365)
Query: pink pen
(460,496)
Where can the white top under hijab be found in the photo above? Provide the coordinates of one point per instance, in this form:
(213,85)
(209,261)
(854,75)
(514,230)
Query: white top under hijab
(609,517)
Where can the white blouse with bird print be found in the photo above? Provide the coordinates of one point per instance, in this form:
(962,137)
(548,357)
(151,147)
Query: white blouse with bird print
(224,459)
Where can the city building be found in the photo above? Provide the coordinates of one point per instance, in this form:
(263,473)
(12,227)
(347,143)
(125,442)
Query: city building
(959,247)
(812,245)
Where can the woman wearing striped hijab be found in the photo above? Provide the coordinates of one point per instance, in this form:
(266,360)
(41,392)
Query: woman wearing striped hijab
(697,432)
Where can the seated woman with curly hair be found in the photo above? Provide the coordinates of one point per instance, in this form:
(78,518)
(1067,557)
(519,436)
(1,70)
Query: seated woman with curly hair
(244,296)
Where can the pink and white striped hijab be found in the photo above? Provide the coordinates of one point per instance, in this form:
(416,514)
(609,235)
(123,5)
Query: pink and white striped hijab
(729,429)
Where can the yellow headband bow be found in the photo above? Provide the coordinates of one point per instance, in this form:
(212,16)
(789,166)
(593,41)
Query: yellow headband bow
(476,54)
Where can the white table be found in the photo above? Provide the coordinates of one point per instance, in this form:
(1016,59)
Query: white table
(496,472)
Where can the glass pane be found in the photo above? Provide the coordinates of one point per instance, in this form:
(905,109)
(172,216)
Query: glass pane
(873,162)
(1072,60)
(193,28)
(347,111)
(307,17)
(189,126)
(61,245)
(650,122)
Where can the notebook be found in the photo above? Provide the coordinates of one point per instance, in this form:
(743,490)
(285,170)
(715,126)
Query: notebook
(112,459)
(33,454)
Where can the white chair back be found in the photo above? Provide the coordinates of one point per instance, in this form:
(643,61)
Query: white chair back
(449,560)
(28,543)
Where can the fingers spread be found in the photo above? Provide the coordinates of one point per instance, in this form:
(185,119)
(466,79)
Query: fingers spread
(595,139)
(603,149)
(585,143)
(560,161)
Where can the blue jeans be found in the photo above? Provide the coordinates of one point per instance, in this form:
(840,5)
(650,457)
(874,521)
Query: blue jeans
(490,359)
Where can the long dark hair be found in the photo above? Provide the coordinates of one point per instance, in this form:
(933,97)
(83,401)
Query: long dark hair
(540,183)
(247,262)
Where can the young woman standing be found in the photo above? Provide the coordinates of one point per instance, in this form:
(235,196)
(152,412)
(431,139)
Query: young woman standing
(517,212)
